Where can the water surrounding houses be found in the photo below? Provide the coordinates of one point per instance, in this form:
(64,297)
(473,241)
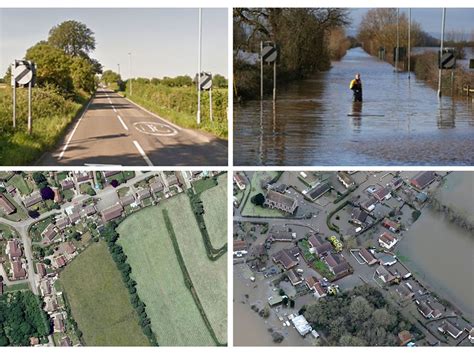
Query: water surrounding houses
(442,253)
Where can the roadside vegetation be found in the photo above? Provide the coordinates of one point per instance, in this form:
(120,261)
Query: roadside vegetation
(378,30)
(175,99)
(65,81)
(359,317)
(308,39)
(98,300)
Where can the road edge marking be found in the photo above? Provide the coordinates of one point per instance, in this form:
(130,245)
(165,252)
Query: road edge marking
(122,122)
(142,153)
(75,128)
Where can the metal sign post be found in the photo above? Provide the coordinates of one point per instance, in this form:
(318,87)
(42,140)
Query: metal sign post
(409,43)
(13,83)
(443,20)
(23,74)
(261,70)
(398,40)
(210,103)
(269,54)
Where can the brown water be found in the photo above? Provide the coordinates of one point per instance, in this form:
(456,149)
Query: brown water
(441,253)
(400,122)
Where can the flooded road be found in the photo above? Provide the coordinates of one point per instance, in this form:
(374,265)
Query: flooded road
(441,253)
(314,121)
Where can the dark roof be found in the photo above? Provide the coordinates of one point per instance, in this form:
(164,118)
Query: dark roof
(359,215)
(318,190)
(286,258)
(6,205)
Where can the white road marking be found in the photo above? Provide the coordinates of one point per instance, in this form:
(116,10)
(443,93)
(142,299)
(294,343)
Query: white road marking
(113,108)
(155,128)
(154,114)
(123,123)
(74,130)
(142,152)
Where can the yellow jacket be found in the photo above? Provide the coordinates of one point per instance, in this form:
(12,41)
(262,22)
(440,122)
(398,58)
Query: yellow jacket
(354,82)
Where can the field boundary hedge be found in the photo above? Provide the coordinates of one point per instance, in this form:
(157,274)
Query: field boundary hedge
(187,278)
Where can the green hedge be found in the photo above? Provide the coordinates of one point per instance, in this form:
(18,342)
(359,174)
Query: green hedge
(179,105)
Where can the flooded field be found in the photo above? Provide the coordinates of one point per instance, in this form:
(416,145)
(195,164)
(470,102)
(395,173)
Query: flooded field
(314,122)
(442,253)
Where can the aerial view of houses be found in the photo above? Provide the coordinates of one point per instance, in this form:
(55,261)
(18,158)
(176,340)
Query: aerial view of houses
(113,258)
(353,258)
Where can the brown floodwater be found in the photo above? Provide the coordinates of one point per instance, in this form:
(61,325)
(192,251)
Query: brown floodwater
(442,253)
(314,122)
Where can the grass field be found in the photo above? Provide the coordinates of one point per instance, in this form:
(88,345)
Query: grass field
(215,212)
(20,184)
(175,319)
(99,301)
(209,277)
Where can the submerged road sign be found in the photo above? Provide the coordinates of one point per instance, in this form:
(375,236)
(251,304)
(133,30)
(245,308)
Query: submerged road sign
(269,53)
(448,59)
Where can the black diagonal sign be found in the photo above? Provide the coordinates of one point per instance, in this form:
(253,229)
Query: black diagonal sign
(269,54)
(448,61)
(206,81)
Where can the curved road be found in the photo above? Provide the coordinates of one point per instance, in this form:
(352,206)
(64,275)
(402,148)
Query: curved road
(115,131)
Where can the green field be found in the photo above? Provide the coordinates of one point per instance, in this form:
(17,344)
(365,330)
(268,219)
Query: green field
(209,277)
(174,316)
(215,212)
(20,184)
(99,301)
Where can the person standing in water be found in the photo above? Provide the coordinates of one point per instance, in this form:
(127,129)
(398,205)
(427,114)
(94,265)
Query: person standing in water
(356,87)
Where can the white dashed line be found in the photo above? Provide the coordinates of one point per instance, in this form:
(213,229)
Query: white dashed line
(142,152)
(123,123)
(113,108)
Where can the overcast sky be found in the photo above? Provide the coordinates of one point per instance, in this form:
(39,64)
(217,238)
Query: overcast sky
(163,42)
(430,19)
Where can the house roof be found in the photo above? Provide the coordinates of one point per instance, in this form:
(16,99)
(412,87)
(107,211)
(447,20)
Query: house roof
(240,245)
(33,199)
(293,276)
(367,256)
(381,192)
(423,179)
(318,190)
(67,184)
(17,270)
(282,199)
(286,258)
(359,214)
(127,200)
(112,212)
(14,248)
(156,186)
(311,281)
(6,205)
(405,337)
(387,238)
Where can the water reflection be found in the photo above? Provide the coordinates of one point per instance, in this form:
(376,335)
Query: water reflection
(311,122)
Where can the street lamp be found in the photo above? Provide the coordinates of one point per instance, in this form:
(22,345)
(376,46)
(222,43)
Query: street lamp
(118,67)
(131,80)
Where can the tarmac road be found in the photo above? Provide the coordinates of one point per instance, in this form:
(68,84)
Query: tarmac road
(115,131)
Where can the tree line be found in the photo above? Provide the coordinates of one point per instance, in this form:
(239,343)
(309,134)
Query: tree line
(63,60)
(111,236)
(307,40)
(114,80)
